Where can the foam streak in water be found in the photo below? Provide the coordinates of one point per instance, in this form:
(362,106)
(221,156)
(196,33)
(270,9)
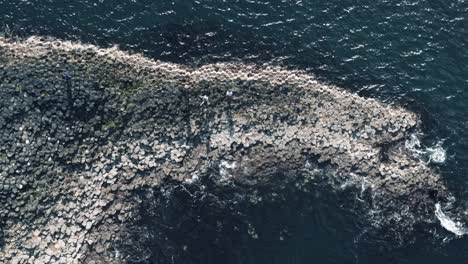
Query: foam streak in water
(453,226)
(435,154)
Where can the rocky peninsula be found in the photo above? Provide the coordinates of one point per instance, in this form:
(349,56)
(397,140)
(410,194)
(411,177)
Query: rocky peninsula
(85,129)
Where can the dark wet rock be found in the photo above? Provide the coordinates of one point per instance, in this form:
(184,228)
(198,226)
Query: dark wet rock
(74,152)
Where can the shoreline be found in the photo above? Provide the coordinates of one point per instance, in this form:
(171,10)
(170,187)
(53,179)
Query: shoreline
(72,160)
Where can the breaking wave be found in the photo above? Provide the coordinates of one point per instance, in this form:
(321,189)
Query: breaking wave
(429,154)
(454,226)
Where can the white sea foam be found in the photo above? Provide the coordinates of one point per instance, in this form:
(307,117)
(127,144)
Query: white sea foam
(225,168)
(194,178)
(451,225)
(435,154)
(413,144)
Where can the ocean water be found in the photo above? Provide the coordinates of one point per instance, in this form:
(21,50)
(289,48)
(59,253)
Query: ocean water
(412,53)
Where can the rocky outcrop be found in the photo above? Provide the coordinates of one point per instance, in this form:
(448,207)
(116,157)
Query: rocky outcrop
(84,129)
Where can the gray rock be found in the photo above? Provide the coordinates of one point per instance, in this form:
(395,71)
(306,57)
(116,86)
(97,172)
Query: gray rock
(134,123)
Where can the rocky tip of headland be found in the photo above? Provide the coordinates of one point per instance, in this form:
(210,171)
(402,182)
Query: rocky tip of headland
(84,128)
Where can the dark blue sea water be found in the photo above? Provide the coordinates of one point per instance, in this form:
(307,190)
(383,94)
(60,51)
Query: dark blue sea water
(412,53)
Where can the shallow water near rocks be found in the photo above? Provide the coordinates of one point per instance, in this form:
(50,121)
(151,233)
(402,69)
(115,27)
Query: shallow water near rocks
(410,53)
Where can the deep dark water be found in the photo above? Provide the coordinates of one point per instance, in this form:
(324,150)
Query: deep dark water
(412,53)
(187,224)
(206,223)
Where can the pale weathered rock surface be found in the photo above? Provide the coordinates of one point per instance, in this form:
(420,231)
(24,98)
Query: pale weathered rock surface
(73,152)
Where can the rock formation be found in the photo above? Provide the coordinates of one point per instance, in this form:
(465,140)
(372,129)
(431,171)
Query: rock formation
(83,129)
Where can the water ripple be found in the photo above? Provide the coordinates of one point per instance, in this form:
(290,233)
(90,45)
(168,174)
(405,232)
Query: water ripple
(410,52)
